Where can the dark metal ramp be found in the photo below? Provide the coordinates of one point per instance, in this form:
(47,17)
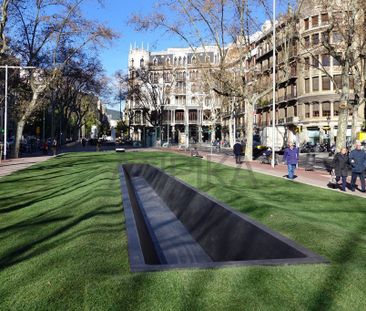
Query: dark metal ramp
(171,239)
(173,225)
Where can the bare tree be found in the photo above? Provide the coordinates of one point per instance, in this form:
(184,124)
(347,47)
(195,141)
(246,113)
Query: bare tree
(228,26)
(150,92)
(40,37)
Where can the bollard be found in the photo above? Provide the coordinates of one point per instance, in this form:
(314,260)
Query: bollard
(310,162)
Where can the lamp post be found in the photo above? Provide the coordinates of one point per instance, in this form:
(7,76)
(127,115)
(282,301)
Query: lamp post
(274,84)
(6,67)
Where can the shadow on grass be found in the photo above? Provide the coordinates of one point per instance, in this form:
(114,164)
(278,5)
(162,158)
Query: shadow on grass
(15,256)
(332,284)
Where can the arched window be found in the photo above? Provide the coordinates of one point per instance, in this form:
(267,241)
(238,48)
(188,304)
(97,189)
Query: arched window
(184,60)
(194,60)
(193,101)
(155,61)
(142,62)
(175,61)
(180,61)
(168,61)
(132,62)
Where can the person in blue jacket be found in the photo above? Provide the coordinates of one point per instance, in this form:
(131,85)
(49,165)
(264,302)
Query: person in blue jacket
(291,158)
(357,159)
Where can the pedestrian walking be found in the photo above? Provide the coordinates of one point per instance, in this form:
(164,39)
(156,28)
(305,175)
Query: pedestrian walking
(291,158)
(357,159)
(237,149)
(54,146)
(340,167)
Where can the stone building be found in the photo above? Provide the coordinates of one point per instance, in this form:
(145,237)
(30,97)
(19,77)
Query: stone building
(190,109)
(307,102)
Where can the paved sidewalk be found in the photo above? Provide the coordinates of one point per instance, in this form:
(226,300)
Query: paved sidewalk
(314,178)
(12,165)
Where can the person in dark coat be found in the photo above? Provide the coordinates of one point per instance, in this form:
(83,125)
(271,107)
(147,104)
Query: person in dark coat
(357,158)
(237,149)
(291,158)
(340,166)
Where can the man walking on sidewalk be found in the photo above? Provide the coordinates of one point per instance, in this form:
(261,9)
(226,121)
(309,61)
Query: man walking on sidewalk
(237,149)
(291,158)
(357,158)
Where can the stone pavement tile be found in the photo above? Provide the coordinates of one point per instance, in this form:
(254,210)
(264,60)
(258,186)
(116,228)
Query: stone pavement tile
(314,178)
(10,166)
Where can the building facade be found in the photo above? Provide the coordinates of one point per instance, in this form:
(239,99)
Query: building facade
(307,100)
(190,111)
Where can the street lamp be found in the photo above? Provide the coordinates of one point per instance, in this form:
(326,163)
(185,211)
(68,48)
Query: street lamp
(274,84)
(6,67)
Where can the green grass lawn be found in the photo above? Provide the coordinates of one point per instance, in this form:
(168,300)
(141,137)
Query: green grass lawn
(63,243)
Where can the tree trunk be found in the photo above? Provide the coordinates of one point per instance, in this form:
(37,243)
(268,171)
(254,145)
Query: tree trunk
(342,127)
(248,131)
(3,22)
(18,137)
(37,90)
(354,123)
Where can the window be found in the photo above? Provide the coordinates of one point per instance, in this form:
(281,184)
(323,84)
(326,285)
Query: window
(335,108)
(315,109)
(315,21)
(155,62)
(168,61)
(337,37)
(132,62)
(307,110)
(307,85)
(337,82)
(295,111)
(192,115)
(142,62)
(326,83)
(306,23)
(326,60)
(335,62)
(325,37)
(315,61)
(315,39)
(307,63)
(307,41)
(325,18)
(326,109)
(179,116)
(207,101)
(315,84)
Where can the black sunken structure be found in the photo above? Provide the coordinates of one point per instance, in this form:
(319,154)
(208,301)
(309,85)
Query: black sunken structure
(172,225)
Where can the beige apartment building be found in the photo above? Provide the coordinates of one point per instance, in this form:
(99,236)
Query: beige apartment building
(307,102)
(306,99)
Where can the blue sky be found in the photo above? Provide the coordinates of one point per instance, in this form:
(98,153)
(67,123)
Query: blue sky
(115,14)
